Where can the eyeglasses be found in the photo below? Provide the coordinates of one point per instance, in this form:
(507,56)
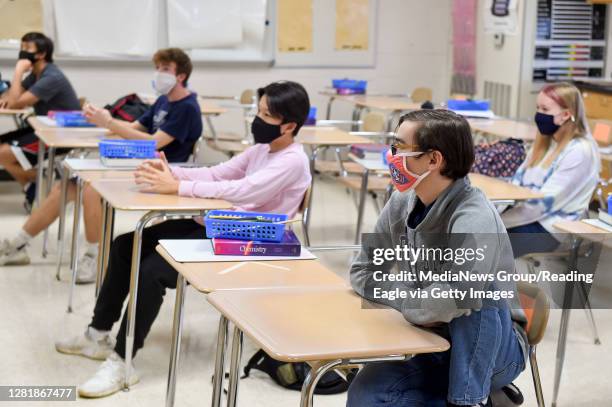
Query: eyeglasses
(398,148)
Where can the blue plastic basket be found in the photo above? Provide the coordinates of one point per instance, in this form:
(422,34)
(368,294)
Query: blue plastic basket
(127,149)
(71,119)
(245,230)
(312,116)
(349,84)
(478,105)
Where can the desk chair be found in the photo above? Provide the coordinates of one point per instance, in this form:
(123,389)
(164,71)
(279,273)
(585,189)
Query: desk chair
(233,143)
(303,213)
(537,308)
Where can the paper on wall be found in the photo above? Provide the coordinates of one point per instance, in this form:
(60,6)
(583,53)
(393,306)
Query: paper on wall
(18,18)
(352,25)
(106,28)
(294,25)
(500,16)
(204,23)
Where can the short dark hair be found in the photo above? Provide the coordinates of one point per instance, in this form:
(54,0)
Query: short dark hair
(448,133)
(42,42)
(287,100)
(179,57)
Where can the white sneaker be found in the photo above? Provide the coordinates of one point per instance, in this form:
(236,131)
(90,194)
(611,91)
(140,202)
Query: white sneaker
(11,255)
(92,345)
(109,378)
(87,269)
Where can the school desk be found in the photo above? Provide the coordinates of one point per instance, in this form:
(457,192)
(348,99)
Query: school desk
(318,138)
(60,137)
(580,231)
(211,276)
(504,128)
(125,195)
(16,114)
(327,328)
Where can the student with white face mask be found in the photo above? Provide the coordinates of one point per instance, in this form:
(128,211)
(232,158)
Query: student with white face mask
(174,122)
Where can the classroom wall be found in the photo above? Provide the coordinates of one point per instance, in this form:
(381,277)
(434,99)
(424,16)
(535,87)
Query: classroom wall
(413,49)
(503,64)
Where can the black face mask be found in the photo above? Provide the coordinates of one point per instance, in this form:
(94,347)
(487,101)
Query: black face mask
(264,133)
(546,124)
(30,56)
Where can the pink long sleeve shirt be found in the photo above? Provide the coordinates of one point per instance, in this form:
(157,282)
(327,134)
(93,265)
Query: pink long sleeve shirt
(255,180)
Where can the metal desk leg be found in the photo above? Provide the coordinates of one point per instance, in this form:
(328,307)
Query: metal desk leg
(133,297)
(101,248)
(177,327)
(219,362)
(108,239)
(313,161)
(213,132)
(356,117)
(62,221)
(232,392)
(565,315)
(75,241)
(316,372)
(329,106)
(40,173)
(48,184)
(362,200)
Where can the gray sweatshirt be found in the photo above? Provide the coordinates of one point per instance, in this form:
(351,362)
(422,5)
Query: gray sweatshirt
(460,217)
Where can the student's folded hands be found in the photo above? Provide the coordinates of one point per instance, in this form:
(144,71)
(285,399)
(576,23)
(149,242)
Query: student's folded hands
(156,176)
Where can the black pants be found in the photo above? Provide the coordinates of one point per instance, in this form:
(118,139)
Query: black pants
(155,276)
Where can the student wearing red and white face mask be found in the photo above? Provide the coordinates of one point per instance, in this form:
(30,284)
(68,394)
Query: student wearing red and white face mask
(433,205)
(563,165)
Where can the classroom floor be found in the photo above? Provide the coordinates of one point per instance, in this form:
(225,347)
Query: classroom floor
(33,314)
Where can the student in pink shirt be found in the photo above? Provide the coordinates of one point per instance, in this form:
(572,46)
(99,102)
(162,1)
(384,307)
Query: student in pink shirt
(271,176)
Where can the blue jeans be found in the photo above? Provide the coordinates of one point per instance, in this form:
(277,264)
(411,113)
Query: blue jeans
(485,355)
(541,242)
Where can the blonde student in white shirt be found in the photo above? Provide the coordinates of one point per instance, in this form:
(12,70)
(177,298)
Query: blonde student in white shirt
(563,165)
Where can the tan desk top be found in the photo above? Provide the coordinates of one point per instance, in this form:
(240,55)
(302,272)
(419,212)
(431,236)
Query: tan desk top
(71,138)
(606,157)
(214,276)
(90,176)
(385,103)
(123,194)
(497,189)
(321,324)
(505,128)
(329,136)
(586,231)
(13,111)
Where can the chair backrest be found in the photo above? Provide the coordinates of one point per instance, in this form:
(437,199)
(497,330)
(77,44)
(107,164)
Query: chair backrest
(374,122)
(419,95)
(305,205)
(247,97)
(537,308)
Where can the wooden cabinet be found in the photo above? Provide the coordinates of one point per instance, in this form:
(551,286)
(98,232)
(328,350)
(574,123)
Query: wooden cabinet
(597,105)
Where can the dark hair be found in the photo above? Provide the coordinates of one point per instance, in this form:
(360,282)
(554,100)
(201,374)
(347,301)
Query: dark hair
(179,57)
(287,100)
(447,132)
(42,42)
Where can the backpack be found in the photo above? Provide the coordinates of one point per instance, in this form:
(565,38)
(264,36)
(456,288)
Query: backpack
(500,159)
(292,375)
(128,108)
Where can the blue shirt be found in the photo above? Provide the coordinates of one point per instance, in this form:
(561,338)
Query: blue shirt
(181,120)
